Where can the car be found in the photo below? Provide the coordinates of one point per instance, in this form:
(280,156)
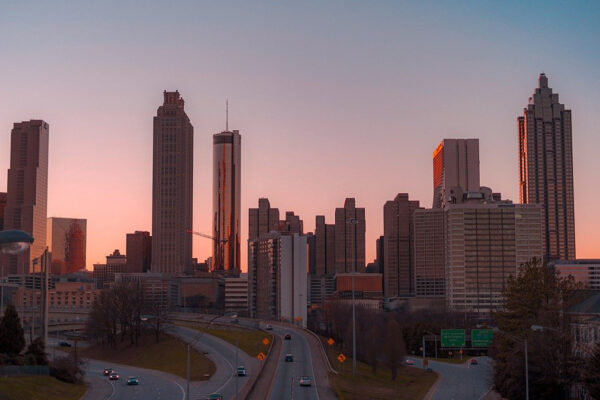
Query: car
(133,380)
(289,358)
(108,371)
(473,361)
(241,371)
(64,344)
(287,336)
(269,327)
(409,362)
(113,376)
(214,396)
(305,381)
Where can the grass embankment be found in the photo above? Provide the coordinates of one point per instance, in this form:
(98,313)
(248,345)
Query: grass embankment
(248,340)
(39,388)
(410,383)
(168,355)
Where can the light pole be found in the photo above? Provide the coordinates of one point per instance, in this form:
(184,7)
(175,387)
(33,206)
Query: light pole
(353,221)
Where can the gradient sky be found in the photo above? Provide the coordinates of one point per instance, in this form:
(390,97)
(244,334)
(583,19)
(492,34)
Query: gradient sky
(335,100)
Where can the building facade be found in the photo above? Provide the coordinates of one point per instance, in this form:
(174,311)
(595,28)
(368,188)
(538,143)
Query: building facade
(585,272)
(236,294)
(27,198)
(172,187)
(350,227)
(455,164)
(325,247)
(263,219)
(104,274)
(546,168)
(139,252)
(3,197)
(67,242)
(429,253)
(226,200)
(398,272)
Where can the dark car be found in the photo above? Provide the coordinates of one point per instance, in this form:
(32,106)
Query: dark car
(287,336)
(133,380)
(269,327)
(289,358)
(64,344)
(241,371)
(113,376)
(107,371)
(473,361)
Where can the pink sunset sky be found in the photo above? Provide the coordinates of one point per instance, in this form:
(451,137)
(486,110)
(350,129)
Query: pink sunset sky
(347,99)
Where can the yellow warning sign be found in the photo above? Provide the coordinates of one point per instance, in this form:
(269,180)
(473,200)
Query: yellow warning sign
(266,341)
(298,318)
(261,356)
(330,341)
(341,358)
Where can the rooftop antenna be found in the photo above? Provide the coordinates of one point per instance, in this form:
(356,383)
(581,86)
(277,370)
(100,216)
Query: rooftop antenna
(227,115)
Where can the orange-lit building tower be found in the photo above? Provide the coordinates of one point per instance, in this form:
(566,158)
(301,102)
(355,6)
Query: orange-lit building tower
(66,241)
(172,186)
(546,168)
(226,200)
(455,164)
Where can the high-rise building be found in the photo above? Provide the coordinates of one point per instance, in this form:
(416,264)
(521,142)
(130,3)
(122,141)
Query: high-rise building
(27,198)
(263,219)
(3,197)
(485,244)
(172,186)
(429,253)
(546,168)
(325,247)
(455,164)
(398,272)
(350,229)
(584,271)
(226,200)
(66,239)
(292,223)
(277,277)
(104,274)
(379,261)
(139,252)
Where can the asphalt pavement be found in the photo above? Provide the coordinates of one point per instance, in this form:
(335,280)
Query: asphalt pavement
(287,380)
(461,381)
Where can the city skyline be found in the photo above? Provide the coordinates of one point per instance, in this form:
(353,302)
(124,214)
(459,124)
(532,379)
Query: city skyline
(314,131)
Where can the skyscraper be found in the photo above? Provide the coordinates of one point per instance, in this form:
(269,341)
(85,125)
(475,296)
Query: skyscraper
(350,229)
(226,200)
(292,223)
(455,164)
(325,247)
(263,219)
(27,189)
(546,168)
(172,187)
(66,241)
(139,252)
(429,253)
(398,272)
(3,197)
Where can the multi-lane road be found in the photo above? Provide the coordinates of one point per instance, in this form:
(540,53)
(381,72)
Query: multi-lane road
(286,384)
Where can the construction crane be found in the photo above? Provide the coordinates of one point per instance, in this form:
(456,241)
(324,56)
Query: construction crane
(204,235)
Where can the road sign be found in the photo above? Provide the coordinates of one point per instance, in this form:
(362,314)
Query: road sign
(266,341)
(330,341)
(453,338)
(341,358)
(481,337)
(261,356)
(298,318)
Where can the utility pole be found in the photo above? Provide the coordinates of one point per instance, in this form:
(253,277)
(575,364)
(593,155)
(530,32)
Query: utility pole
(526,373)
(45,298)
(354,222)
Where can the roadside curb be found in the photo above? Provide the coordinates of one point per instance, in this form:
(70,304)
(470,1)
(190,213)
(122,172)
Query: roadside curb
(271,358)
(431,392)
(323,352)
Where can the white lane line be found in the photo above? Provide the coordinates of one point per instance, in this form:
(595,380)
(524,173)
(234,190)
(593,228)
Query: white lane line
(113,390)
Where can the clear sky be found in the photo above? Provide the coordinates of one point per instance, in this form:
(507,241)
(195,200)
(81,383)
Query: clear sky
(333,99)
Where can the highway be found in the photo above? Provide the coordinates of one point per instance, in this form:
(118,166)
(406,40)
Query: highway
(286,384)
(461,381)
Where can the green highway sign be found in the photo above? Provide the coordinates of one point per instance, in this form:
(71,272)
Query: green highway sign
(453,338)
(481,337)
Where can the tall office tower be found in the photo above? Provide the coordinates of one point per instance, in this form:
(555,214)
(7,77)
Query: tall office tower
(263,219)
(455,164)
(350,229)
(546,168)
(485,244)
(325,247)
(277,277)
(139,252)
(27,198)
(380,244)
(66,241)
(2,207)
(292,223)
(398,273)
(172,186)
(226,200)
(429,253)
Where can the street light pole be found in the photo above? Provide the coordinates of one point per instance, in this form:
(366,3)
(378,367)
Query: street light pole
(353,221)
(187,391)
(526,373)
